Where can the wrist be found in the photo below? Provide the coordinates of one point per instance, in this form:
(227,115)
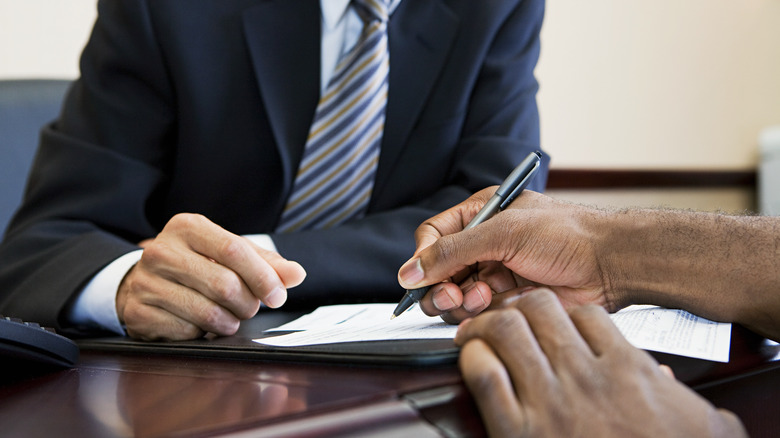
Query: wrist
(644,266)
(600,227)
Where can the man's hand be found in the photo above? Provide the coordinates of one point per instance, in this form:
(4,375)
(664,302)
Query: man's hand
(196,277)
(536,371)
(536,241)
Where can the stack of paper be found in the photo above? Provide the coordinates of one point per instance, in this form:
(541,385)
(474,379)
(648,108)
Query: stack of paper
(647,327)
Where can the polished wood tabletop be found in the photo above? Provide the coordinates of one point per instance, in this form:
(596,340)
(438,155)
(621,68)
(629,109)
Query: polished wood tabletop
(156,395)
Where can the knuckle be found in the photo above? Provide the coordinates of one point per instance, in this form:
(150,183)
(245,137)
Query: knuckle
(133,316)
(133,283)
(497,323)
(538,300)
(232,248)
(264,282)
(484,380)
(210,316)
(185,220)
(187,331)
(480,379)
(131,332)
(226,286)
(446,248)
(142,323)
(178,221)
(138,325)
(543,296)
(155,253)
(641,360)
(246,312)
(508,319)
(587,312)
(626,362)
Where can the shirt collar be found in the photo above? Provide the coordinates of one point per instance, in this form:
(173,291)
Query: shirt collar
(333,11)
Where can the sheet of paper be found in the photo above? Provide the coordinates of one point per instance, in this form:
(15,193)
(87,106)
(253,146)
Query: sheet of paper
(353,314)
(647,327)
(674,331)
(360,322)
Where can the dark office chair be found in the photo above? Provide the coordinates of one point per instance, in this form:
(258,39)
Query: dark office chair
(25,106)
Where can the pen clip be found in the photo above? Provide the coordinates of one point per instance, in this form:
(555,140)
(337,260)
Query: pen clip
(520,187)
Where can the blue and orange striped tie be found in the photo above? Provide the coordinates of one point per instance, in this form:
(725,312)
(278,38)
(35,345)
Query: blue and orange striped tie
(336,175)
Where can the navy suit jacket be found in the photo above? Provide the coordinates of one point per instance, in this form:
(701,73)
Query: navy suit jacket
(204,107)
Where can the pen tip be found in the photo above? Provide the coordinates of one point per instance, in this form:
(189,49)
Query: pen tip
(392,317)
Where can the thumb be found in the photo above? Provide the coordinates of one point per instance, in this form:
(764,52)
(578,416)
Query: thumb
(452,220)
(290,272)
(449,255)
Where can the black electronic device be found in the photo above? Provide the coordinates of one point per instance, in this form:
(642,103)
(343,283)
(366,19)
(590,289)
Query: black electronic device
(29,345)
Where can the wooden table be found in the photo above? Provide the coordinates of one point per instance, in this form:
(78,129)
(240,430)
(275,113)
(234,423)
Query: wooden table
(110,394)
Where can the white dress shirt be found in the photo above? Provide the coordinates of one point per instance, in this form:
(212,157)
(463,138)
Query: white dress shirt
(95,306)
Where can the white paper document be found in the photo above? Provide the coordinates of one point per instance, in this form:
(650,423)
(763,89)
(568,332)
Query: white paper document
(647,327)
(674,331)
(360,322)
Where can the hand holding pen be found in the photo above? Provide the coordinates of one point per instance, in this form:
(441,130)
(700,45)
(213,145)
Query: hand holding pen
(514,184)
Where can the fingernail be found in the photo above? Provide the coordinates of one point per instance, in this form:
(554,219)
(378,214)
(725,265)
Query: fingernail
(442,300)
(276,298)
(411,273)
(473,302)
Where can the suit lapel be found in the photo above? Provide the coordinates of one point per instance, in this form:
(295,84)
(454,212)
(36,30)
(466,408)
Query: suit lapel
(421,34)
(283,38)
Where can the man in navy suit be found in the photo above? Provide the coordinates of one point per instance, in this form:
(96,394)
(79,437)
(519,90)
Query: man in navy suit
(153,200)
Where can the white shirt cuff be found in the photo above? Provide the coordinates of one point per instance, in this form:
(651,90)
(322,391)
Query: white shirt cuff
(96,305)
(263,241)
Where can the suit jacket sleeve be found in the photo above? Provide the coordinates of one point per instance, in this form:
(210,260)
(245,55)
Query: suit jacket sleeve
(85,200)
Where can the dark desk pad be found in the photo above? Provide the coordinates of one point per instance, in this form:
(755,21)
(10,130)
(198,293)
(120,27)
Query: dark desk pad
(413,352)
(747,350)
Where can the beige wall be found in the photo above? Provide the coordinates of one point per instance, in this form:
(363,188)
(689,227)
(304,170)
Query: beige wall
(43,38)
(659,83)
(671,84)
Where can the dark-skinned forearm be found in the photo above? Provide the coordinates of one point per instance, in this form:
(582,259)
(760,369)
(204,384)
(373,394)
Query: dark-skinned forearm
(725,268)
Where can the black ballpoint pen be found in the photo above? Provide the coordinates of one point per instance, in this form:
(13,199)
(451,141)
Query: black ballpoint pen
(512,186)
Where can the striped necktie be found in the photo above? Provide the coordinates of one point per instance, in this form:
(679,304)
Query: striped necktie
(336,175)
